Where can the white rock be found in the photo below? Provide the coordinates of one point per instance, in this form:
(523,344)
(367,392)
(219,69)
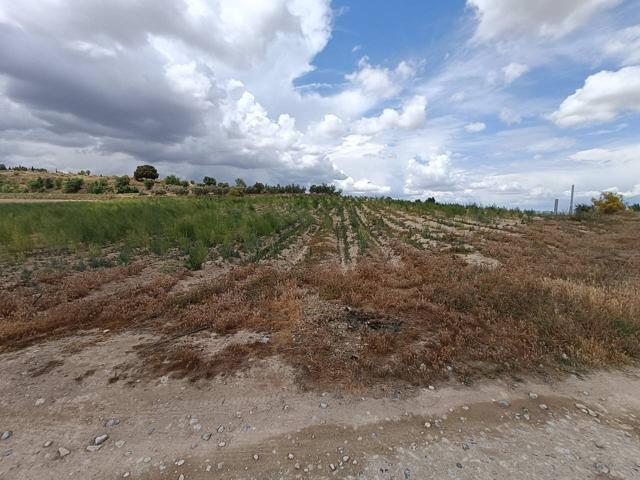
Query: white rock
(290,456)
(93,448)
(63,452)
(6,435)
(220,429)
(39,402)
(255,456)
(180,462)
(120,443)
(533,396)
(99,440)
(323,405)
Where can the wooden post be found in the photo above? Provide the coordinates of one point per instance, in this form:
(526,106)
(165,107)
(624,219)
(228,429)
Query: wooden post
(555,207)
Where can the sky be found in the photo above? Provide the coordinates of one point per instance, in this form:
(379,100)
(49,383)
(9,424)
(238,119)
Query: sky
(505,102)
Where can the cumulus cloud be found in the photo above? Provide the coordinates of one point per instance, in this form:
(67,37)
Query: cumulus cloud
(435,174)
(513,71)
(411,117)
(361,187)
(475,127)
(380,82)
(544,18)
(602,98)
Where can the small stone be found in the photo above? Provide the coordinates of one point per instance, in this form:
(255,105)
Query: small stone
(332,467)
(427,424)
(99,440)
(592,413)
(220,429)
(7,452)
(47,443)
(431,387)
(602,468)
(208,469)
(504,403)
(181,477)
(459,465)
(580,406)
(600,445)
(533,396)
(120,443)
(255,456)
(543,406)
(6,435)
(206,437)
(93,448)
(290,456)
(146,459)
(297,466)
(63,452)
(222,444)
(126,474)
(39,402)
(180,462)
(112,422)
(345,458)
(323,405)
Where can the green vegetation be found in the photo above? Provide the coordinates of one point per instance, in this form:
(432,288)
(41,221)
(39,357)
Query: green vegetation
(193,225)
(72,185)
(145,172)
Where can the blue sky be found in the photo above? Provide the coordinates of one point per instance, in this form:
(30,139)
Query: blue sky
(503,102)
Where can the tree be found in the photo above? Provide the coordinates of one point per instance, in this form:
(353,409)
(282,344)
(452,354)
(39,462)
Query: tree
(609,202)
(145,171)
(240,183)
(3,166)
(209,181)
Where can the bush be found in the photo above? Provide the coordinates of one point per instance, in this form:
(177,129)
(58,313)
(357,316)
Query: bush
(58,183)
(73,185)
(209,181)
(123,185)
(236,192)
(3,166)
(98,187)
(149,183)
(145,172)
(178,189)
(159,191)
(173,180)
(324,189)
(36,185)
(635,207)
(85,173)
(48,183)
(583,209)
(609,202)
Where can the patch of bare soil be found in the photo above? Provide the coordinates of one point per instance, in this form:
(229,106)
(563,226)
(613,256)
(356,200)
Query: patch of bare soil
(259,424)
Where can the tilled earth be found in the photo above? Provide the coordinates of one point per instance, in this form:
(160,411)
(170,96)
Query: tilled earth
(374,344)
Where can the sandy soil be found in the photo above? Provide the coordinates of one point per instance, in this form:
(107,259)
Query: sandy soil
(59,394)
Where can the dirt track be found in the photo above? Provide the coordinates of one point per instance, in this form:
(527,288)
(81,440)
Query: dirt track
(162,421)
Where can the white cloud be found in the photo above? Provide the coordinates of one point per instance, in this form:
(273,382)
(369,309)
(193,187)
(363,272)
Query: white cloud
(604,96)
(509,117)
(545,18)
(513,71)
(411,117)
(609,156)
(475,127)
(435,174)
(624,45)
(380,82)
(361,187)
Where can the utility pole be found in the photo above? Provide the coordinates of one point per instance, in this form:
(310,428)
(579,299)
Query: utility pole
(571,204)
(555,208)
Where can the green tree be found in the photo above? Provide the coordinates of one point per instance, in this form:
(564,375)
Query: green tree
(209,181)
(145,171)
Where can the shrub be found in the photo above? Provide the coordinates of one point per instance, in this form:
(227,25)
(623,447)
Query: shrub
(3,166)
(178,189)
(84,172)
(48,183)
(36,185)
(609,202)
(58,183)
(159,191)
(236,192)
(635,207)
(98,187)
(73,185)
(123,185)
(145,172)
(583,208)
(173,180)
(324,189)
(149,183)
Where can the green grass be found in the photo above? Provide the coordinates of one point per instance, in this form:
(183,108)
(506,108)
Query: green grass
(194,225)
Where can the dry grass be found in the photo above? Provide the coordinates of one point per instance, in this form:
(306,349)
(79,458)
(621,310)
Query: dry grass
(565,296)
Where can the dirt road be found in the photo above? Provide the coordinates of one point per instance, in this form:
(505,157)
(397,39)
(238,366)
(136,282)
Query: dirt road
(57,397)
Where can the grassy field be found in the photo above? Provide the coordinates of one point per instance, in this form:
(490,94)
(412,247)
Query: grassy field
(351,293)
